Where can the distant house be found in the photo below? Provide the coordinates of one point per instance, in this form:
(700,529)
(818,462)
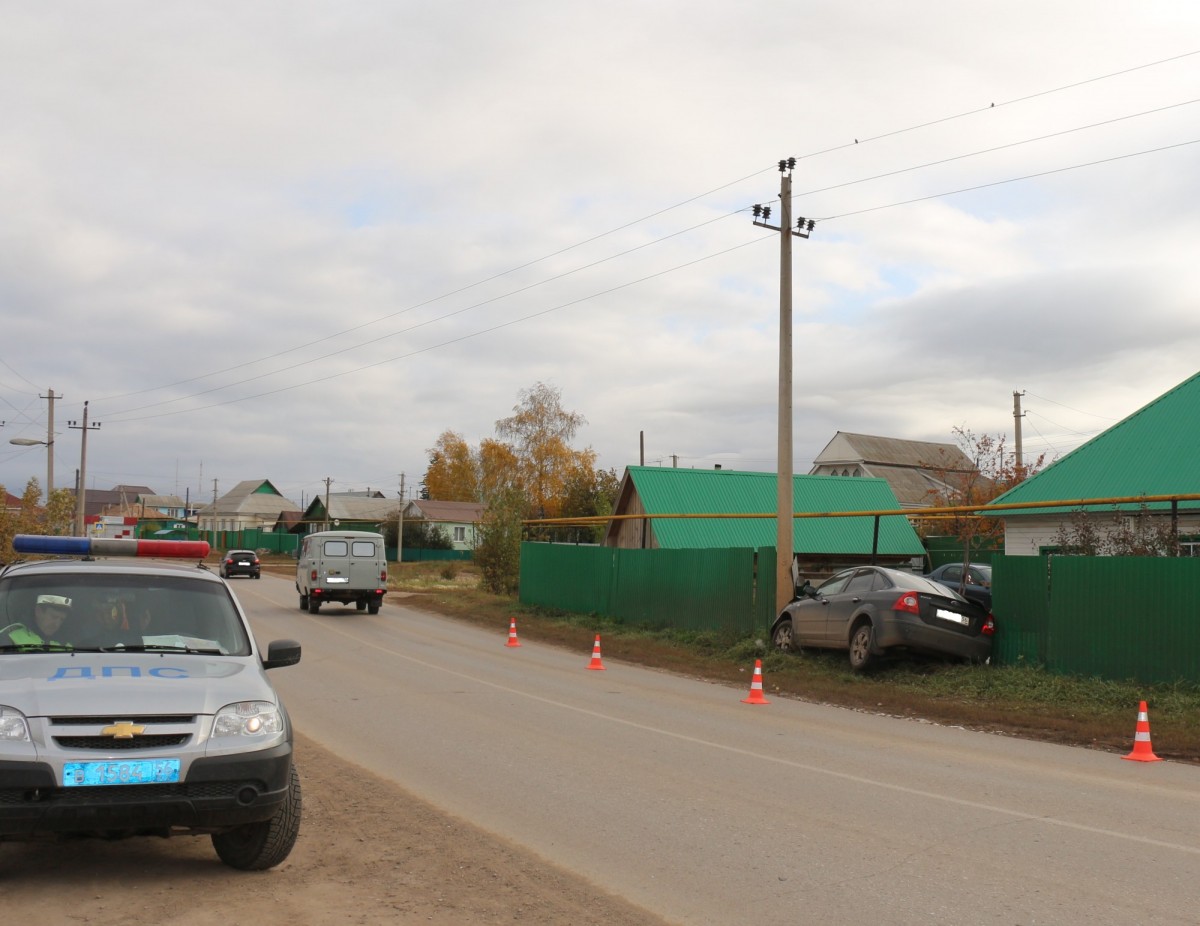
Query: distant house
(96,501)
(12,503)
(253,503)
(358,511)
(915,470)
(820,544)
(170,506)
(459,519)
(1154,451)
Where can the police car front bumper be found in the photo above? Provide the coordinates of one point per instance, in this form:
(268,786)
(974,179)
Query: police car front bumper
(218,793)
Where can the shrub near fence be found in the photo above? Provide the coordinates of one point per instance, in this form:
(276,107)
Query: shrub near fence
(726,591)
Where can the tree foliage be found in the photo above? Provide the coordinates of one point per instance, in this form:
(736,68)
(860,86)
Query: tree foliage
(57,517)
(498,542)
(453,474)
(540,431)
(589,493)
(530,462)
(991,471)
(1141,533)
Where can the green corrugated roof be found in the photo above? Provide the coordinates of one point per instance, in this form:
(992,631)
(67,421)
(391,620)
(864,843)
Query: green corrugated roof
(1152,452)
(705,491)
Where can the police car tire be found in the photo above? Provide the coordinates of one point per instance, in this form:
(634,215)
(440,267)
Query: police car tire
(263,845)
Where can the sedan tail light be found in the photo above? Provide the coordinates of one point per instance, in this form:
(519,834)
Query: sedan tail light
(989,626)
(908,601)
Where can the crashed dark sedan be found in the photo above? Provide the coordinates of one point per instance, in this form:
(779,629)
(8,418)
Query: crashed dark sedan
(870,611)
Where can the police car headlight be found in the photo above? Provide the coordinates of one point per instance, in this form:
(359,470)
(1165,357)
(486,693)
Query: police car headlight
(248,718)
(13,725)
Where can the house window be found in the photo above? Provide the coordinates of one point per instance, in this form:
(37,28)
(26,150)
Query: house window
(460,534)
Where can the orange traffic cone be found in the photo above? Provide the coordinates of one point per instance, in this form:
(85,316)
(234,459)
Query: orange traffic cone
(756,695)
(512,634)
(1141,738)
(596,663)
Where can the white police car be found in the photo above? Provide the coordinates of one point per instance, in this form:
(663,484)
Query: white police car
(134,701)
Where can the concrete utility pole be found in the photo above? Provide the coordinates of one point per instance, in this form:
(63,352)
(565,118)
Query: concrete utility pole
(50,443)
(328,480)
(785,504)
(81,494)
(1017,416)
(214,515)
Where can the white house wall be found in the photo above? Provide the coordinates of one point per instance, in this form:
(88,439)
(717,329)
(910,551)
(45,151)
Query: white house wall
(1026,536)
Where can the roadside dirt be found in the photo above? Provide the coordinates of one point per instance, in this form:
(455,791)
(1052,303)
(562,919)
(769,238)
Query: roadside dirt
(369,853)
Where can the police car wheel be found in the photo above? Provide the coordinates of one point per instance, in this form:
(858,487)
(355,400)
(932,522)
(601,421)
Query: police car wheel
(263,845)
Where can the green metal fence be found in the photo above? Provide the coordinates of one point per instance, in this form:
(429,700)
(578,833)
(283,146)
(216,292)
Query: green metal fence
(728,591)
(1109,617)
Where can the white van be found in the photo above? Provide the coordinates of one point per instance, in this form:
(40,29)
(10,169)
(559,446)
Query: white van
(345,566)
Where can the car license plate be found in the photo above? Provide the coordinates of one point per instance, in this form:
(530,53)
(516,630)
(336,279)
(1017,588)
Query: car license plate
(953,616)
(334,580)
(242,562)
(135,772)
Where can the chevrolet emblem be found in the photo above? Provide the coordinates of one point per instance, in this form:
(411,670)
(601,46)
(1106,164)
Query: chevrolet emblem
(123,730)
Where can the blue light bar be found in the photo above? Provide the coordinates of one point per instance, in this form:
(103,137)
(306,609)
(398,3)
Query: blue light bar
(109,546)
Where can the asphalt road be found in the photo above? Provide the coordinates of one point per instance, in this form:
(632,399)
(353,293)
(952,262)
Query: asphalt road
(674,794)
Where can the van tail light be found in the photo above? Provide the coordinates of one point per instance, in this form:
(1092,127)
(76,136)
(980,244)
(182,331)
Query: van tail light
(383,576)
(908,601)
(989,626)
(312,576)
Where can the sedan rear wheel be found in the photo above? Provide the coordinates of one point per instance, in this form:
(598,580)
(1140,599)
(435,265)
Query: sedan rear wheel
(781,637)
(860,646)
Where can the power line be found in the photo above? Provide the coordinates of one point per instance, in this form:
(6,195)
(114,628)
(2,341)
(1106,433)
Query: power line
(629,225)
(465,337)
(1015,144)
(984,186)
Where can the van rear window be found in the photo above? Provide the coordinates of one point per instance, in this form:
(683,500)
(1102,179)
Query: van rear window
(363,548)
(334,548)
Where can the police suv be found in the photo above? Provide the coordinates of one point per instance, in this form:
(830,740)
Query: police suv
(134,701)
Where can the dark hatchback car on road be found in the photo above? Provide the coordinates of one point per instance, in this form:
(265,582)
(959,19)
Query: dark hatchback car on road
(240,563)
(871,610)
(977,585)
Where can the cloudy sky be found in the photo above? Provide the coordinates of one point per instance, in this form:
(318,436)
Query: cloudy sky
(299,240)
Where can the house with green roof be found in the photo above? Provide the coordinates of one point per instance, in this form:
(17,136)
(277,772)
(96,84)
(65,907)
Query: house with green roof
(1153,452)
(742,507)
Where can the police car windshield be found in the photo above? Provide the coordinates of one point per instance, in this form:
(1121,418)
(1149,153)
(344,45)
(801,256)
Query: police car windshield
(108,611)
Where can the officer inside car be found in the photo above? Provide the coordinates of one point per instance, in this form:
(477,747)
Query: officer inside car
(49,612)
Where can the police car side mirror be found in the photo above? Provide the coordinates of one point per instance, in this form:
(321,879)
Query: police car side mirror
(281,653)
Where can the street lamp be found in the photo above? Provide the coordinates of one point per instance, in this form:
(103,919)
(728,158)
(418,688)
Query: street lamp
(49,445)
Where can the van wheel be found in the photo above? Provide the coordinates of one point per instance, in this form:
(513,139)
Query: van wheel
(373,607)
(313,606)
(303,602)
(360,605)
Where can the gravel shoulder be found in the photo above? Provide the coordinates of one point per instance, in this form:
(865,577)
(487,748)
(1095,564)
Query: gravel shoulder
(369,853)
